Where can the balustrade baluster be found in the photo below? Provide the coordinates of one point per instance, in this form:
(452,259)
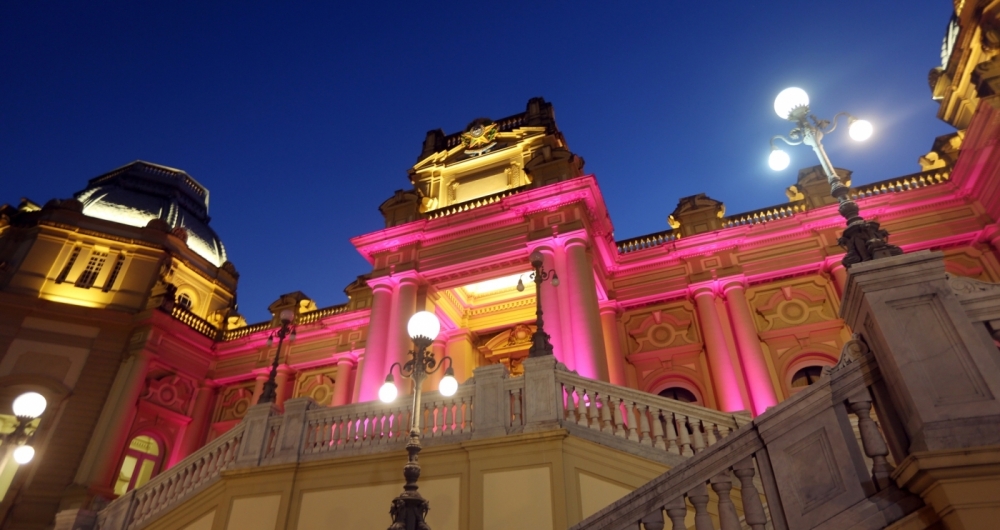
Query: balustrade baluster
(722,484)
(355,426)
(630,414)
(699,498)
(677,511)
(593,414)
(619,421)
(709,433)
(699,440)
(438,423)
(606,425)
(653,521)
(516,416)
(658,429)
(581,407)
(684,435)
(672,444)
(753,510)
(873,443)
(645,431)
(573,405)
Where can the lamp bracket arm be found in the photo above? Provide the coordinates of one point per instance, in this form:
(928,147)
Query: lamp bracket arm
(833,123)
(440,365)
(792,141)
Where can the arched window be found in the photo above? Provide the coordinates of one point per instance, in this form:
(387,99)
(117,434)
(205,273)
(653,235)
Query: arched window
(806,376)
(680,394)
(142,461)
(184,300)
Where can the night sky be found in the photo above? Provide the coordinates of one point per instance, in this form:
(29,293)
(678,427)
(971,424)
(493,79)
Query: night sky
(302,120)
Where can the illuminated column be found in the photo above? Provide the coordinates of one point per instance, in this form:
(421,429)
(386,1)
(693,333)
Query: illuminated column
(372,372)
(565,313)
(342,384)
(755,369)
(284,390)
(839,273)
(194,435)
(588,338)
(719,362)
(258,384)
(358,374)
(404,305)
(616,361)
(460,348)
(561,347)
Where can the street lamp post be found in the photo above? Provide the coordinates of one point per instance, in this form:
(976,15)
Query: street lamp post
(409,509)
(540,345)
(863,240)
(269,392)
(27,407)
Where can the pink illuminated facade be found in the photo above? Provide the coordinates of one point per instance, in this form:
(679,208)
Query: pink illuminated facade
(732,312)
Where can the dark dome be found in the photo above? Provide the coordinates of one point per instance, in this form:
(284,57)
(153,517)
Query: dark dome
(140,192)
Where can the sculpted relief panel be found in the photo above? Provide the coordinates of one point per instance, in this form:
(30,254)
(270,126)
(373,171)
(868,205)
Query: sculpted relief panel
(661,328)
(793,304)
(664,347)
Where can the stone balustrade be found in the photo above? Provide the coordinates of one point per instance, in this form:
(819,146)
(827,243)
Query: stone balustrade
(175,485)
(802,457)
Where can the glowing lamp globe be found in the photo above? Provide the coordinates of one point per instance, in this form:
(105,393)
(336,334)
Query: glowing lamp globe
(388,392)
(788,100)
(860,130)
(423,324)
(778,160)
(448,385)
(24,454)
(29,405)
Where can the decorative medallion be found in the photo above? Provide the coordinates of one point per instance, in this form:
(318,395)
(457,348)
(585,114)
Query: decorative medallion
(479,138)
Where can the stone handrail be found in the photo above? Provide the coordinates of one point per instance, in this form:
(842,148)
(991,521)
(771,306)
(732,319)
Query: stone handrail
(656,422)
(369,427)
(173,486)
(194,321)
(807,435)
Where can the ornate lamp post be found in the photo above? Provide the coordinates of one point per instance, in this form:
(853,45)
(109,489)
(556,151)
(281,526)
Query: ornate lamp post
(863,240)
(269,392)
(27,407)
(540,344)
(409,509)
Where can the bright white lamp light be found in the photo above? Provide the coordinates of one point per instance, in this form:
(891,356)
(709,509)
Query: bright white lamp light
(788,100)
(448,385)
(24,454)
(860,130)
(388,392)
(29,405)
(778,160)
(423,324)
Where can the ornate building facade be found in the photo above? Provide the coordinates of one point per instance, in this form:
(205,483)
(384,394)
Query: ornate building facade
(118,304)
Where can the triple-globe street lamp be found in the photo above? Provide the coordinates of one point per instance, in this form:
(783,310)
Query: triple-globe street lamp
(409,509)
(863,240)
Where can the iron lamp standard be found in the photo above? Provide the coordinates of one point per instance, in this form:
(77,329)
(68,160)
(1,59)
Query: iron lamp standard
(269,392)
(27,407)
(540,345)
(863,240)
(409,509)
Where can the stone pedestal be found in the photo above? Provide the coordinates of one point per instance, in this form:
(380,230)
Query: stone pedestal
(941,371)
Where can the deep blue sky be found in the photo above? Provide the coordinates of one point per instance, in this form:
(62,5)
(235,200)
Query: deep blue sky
(302,120)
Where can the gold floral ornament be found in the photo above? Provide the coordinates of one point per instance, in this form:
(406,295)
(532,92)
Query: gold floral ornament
(479,135)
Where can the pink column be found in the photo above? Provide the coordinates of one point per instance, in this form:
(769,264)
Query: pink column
(616,361)
(258,384)
(438,349)
(839,273)
(284,389)
(755,370)
(565,312)
(372,374)
(562,349)
(120,410)
(342,385)
(404,305)
(358,379)
(194,435)
(588,337)
(719,362)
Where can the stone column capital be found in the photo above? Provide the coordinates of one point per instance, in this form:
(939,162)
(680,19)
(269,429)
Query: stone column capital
(576,240)
(610,306)
(346,360)
(733,282)
(705,288)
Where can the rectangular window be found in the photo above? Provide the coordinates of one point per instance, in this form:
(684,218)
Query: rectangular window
(108,285)
(69,265)
(86,279)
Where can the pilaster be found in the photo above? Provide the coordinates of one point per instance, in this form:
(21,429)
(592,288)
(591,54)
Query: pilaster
(754,365)
(720,367)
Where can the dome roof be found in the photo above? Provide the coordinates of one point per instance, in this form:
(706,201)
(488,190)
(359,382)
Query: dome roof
(139,192)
